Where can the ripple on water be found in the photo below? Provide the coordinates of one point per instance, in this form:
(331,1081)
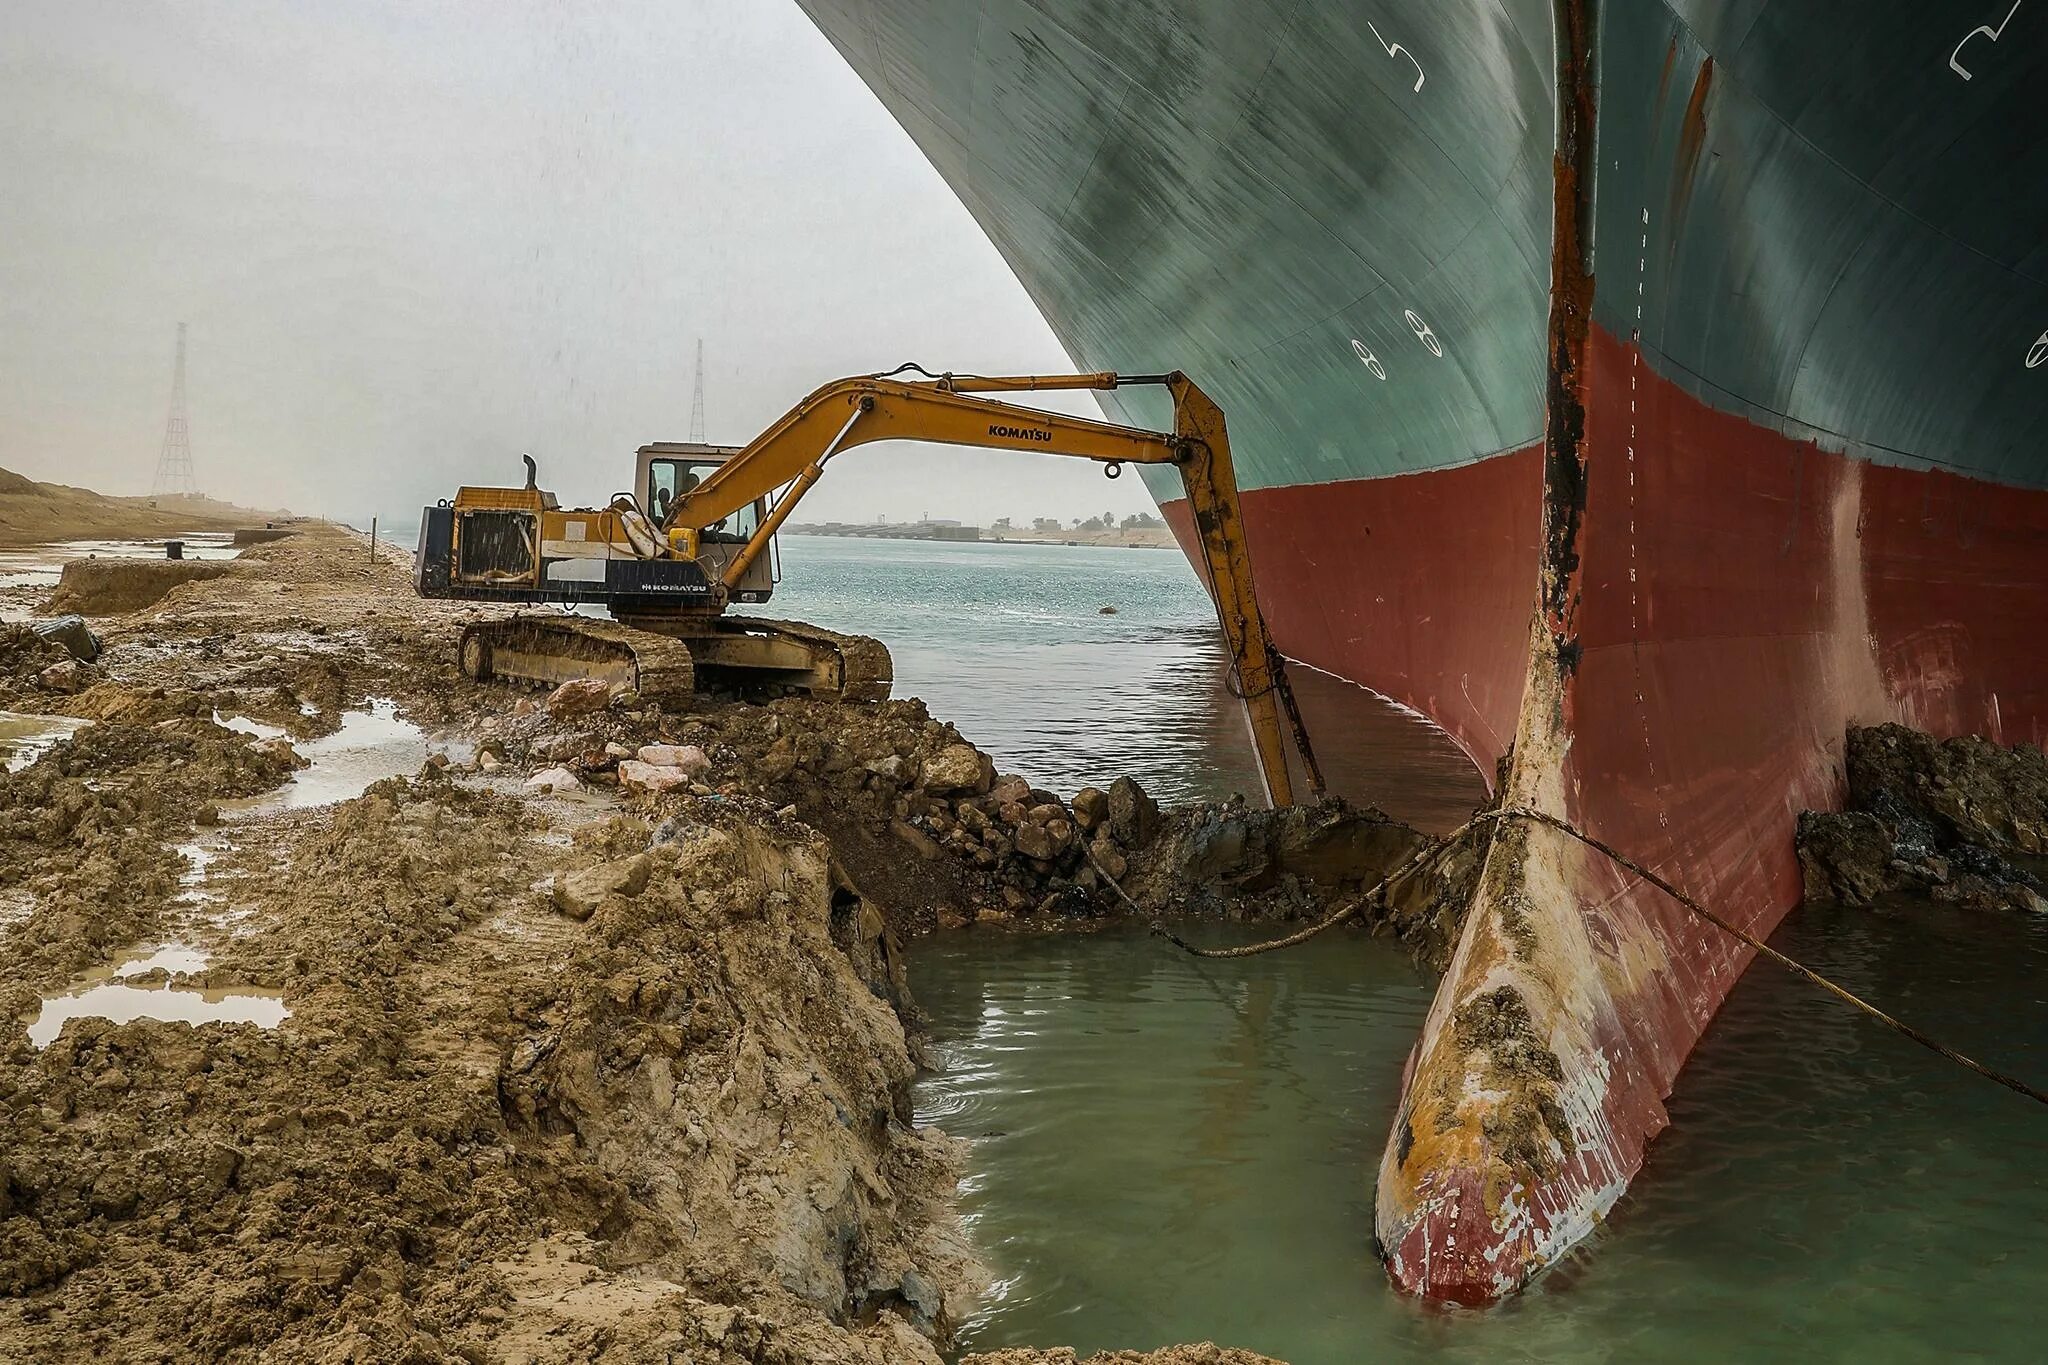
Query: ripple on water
(1008,642)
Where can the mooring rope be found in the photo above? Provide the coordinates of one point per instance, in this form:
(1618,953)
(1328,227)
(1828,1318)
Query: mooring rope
(1351,909)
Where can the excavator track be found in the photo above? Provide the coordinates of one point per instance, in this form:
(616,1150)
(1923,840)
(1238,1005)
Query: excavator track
(550,648)
(664,657)
(757,655)
(866,672)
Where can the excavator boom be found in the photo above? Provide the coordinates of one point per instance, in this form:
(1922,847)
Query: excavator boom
(792,454)
(672,566)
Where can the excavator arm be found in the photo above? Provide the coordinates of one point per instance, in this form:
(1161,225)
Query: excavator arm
(953,410)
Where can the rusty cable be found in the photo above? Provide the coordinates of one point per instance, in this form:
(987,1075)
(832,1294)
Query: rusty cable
(1357,903)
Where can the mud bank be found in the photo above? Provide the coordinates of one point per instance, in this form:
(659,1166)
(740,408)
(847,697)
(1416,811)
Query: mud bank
(560,1070)
(1960,820)
(920,818)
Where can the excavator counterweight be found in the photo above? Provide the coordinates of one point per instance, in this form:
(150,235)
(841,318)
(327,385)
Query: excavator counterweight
(696,536)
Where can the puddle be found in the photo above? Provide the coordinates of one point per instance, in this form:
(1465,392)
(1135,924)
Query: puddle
(122,1004)
(243,725)
(105,993)
(24,739)
(172,957)
(41,566)
(192,881)
(369,747)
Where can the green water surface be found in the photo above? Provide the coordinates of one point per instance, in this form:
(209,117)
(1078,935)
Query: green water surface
(1169,1150)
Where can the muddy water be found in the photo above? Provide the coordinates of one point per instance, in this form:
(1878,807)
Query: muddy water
(370,746)
(1009,642)
(24,739)
(1171,1150)
(41,566)
(110,992)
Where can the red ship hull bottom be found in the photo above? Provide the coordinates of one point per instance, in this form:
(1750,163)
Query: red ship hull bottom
(1746,598)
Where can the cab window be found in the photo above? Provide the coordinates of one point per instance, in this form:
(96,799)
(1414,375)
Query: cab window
(669,479)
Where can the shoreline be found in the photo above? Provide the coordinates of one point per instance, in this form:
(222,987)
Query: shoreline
(545,1080)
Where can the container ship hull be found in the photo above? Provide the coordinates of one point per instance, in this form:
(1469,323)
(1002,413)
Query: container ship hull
(1645,392)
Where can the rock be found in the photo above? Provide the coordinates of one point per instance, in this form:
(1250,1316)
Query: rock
(1034,841)
(561,748)
(488,762)
(72,633)
(557,779)
(1939,816)
(925,846)
(1845,856)
(651,777)
(778,763)
(1045,812)
(677,830)
(1015,901)
(525,706)
(579,697)
(1061,832)
(922,1295)
(1010,813)
(974,820)
(688,757)
(579,894)
(1011,790)
(67,675)
(1971,790)
(278,747)
(890,768)
(1104,854)
(1133,815)
(1105,611)
(1091,807)
(958,768)
(615,750)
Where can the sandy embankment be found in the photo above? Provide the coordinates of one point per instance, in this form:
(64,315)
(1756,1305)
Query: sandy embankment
(584,1074)
(34,513)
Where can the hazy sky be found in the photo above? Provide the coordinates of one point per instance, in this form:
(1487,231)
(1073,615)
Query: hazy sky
(412,240)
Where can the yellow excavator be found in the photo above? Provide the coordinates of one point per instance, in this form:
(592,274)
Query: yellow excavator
(696,535)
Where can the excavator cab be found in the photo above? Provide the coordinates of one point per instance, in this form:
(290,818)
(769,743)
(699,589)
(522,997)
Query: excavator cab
(669,471)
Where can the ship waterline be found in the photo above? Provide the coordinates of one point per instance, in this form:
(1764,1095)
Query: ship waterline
(1770,274)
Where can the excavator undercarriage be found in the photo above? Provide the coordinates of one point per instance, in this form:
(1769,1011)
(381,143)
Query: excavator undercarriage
(669,658)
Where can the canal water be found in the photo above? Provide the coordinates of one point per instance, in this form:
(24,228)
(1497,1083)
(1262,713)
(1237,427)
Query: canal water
(1010,643)
(1167,1149)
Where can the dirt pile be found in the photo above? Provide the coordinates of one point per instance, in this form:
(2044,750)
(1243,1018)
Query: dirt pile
(1960,820)
(104,587)
(26,657)
(489,1130)
(85,834)
(918,815)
